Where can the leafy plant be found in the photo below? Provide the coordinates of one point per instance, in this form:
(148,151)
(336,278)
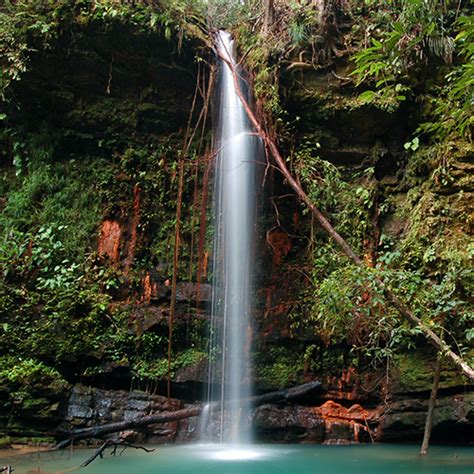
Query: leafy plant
(29,374)
(412,145)
(450,104)
(411,34)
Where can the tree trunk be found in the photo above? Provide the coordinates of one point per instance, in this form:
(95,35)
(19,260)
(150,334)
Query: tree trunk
(404,311)
(431,404)
(268,16)
(320,7)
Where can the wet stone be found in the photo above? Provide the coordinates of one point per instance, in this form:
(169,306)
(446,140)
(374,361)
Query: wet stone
(140,405)
(103,406)
(81,396)
(79,411)
(131,414)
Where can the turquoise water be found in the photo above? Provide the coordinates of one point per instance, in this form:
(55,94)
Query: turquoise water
(259,459)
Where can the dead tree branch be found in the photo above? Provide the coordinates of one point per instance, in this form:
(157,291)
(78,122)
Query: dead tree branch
(115,443)
(431,405)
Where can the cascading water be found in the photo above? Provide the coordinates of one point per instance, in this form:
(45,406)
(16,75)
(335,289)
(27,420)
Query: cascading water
(237,152)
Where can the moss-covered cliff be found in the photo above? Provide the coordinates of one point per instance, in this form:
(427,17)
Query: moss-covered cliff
(92,133)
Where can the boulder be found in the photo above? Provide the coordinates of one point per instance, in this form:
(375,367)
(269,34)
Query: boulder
(405,419)
(91,406)
(289,424)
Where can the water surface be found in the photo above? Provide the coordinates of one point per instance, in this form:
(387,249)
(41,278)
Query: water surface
(259,459)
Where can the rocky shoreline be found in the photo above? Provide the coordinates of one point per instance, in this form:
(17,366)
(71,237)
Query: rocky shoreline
(320,422)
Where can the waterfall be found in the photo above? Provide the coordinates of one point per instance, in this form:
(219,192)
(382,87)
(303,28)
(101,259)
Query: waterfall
(237,152)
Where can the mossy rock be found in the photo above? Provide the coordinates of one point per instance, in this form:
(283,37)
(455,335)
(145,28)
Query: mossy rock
(278,367)
(38,409)
(34,440)
(413,372)
(18,427)
(5,441)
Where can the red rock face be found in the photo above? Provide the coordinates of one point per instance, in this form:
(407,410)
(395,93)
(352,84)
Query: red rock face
(109,240)
(132,229)
(344,387)
(149,289)
(273,321)
(279,243)
(354,419)
(330,423)
(334,410)
(118,239)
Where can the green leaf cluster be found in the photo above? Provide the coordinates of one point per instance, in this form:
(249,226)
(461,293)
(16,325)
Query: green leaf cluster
(417,48)
(29,375)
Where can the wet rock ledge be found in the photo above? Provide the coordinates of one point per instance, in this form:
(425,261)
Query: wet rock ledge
(317,421)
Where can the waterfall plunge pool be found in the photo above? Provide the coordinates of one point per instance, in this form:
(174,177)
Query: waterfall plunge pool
(257,459)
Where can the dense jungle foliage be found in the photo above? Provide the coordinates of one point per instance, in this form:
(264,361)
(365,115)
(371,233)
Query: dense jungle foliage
(96,102)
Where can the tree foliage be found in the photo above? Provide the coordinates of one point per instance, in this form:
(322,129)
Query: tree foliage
(411,41)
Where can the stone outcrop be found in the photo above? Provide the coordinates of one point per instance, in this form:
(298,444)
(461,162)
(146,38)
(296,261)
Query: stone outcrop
(330,423)
(314,420)
(400,421)
(453,419)
(89,406)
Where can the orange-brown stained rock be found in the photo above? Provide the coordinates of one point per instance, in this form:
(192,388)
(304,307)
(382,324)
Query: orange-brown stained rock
(280,244)
(273,320)
(355,417)
(296,220)
(344,387)
(133,226)
(109,240)
(334,410)
(149,289)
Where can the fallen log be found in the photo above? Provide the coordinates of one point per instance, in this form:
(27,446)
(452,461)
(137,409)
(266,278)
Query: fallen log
(101,430)
(288,394)
(439,344)
(164,417)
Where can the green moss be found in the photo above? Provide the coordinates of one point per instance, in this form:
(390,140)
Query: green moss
(5,442)
(52,194)
(29,375)
(33,440)
(413,372)
(38,408)
(278,367)
(157,369)
(21,430)
(436,232)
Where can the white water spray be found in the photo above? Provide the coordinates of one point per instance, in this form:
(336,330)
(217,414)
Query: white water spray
(237,153)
